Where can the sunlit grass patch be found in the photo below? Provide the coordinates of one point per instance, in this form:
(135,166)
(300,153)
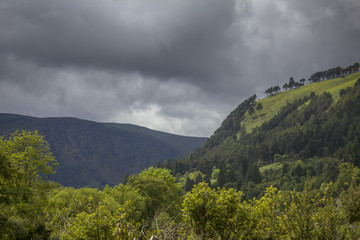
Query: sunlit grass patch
(273,104)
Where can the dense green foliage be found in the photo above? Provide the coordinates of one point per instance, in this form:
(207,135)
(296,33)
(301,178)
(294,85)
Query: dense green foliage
(153,204)
(25,160)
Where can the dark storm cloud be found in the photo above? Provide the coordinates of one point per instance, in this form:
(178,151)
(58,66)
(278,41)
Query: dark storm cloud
(164,39)
(174,65)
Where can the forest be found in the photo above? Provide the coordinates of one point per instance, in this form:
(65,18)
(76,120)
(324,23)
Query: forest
(153,204)
(294,176)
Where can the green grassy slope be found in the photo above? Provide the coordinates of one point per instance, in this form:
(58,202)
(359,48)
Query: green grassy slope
(272,104)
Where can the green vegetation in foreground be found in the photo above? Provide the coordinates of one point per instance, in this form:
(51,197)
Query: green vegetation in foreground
(152,205)
(272,104)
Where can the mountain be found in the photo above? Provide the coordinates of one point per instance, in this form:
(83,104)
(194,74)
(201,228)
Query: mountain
(311,129)
(95,154)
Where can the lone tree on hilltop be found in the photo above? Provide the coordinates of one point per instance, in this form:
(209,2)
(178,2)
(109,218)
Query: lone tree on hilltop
(303,81)
(291,83)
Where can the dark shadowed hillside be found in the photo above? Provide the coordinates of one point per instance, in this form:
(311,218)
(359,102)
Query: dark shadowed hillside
(96,154)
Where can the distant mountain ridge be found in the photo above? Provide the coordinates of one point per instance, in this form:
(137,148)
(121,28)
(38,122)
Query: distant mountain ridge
(94,154)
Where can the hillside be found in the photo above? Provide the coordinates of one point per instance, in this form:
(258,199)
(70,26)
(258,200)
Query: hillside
(272,105)
(95,154)
(312,129)
(183,144)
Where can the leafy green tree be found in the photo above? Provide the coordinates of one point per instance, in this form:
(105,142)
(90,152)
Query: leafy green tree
(231,216)
(159,189)
(266,218)
(268,91)
(286,86)
(253,174)
(126,228)
(123,194)
(10,196)
(291,83)
(300,207)
(302,81)
(350,200)
(294,215)
(197,209)
(329,219)
(213,213)
(271,90)
(96,225)
(276,88)
(30,153)
(25,161)
(10,191)
(347,174)
(68,207)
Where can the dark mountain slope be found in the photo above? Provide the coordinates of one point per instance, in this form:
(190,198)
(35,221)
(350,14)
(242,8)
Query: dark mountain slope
(183,144)
(95,154)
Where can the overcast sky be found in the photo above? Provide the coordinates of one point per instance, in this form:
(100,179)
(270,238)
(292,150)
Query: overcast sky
(179,66)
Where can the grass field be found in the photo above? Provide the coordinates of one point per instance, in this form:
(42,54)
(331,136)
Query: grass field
(274,166)
(272,104)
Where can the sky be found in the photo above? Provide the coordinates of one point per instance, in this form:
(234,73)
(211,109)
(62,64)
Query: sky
(179,66)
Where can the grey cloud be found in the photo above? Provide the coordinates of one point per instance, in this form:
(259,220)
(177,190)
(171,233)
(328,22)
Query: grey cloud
(177,65)
(297,38)
(108,96)
(164,39)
